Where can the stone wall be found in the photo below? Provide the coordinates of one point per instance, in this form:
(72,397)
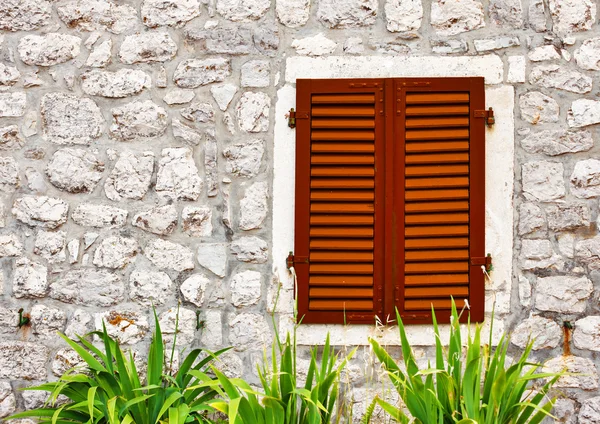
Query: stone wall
(137,158)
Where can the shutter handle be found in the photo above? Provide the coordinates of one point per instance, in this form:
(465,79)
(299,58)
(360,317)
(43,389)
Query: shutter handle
(292,260)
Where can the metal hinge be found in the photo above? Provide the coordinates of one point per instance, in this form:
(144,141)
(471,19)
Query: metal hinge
(485,261)
(293,115)
(488,115)
(292,260)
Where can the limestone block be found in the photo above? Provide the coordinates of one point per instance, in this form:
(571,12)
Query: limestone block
(24,15)
(556,76)
(516,69)
(30,279)
(185,324)
(212,333)
(506,13)
(538,108)
(88,286)
(68,119)
(23,360)
(590,411)
(177,176)
(293,13)
(12,104)
(8,402)
(128,327)
(585,179)
(256,73)
(194,73)
(79,324)
(252,112)
(213,257)
(244,159)
(223,94)
(64,360)
(173,13)
(116,252)
(186,132)
(542,53)
(211,170)
(248,331)
(495,43)
(178,96)
(9,75)
(99,216)
(50,245)
(250,249)
(168,255)
(197,221)
(568,217)
(10,245)
(587,333)
(161,220)
(451,17)
(557,142)
(246,288)
(50,49)
(254,206)
(317,45)
(582,372)
(10,138)
(543,181)
(199,112)
(9,174)
(94,15)
(588,251)
(266,39)
(130,177)
(41,211)
(584,112)
(194,287)
(563,294)
(138,119)
(149,288)
(101,55)
(74,170)
(403,15)
(225,39)
(545,333)
(47,322)
(147,47)
(588,55)
(537,15)
(119,84)
(249,10)
(347,13)
(571,16)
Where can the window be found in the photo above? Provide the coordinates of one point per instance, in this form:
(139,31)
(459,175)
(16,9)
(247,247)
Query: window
(390,198)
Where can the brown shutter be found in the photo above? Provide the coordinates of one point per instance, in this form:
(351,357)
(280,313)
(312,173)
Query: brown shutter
(339,206)
(440,195)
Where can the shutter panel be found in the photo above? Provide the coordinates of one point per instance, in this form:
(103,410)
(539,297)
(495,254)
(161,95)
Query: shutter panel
(440,194)
(339,200)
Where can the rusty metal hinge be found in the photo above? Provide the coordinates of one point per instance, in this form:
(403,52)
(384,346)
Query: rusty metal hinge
(292,260)
(488,115)
(485,261)
(363,84)
(293,115)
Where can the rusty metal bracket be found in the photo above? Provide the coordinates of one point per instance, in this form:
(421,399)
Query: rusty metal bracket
(293,115)
(488,115)
(292,260)
(485,261)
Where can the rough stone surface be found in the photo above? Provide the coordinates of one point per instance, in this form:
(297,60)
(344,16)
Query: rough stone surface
(317,45)
(545,333)
(68,119)
(568,217)
(293,13)
(456,16)
(588,251)
(99,215)
(8,402)
(588,55)
(12,104)
(10,245)
(226,39)
(179,97)
(24,15)
(79,324)
(580,372)
(161,220)
(585,179)
(543,181)
(244,159)
(556,76)
(48,50)
(537,108)
(101,55)
(168,255)
(41,211)
(212,334)
(254,206)
(571,16)
(557,142)
(347,13)
(194,73)
(122,83)
(169,12)
(495,43)
(186,132)
(587,333)
(250,249)
(93,15)
(50,245)
(223,94)
(46,322)
(403,15)
(9,75)
(199,112)
(177,176)
(64,360)
(249,331)
(197,221)
(30,279)
(590,411)
(128,327)
(115,252)
(543,53)
(256,73)
(148,47)
(74,170)
(252,112)
(193,288)
(506,13)
(245,288)
(131,176)
(584,112)
(138,119)
(562,294)
(9,174)
(537,15)
(10,138)
(213,257)
(149,288)
(237,11)
(23,360)
(88,286)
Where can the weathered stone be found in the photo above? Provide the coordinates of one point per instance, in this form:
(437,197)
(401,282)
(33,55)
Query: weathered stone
(584,112)
(10,138)
(253,206)
(564,412)
(588,55)
(542,53)
(88,286)
(50,245)
(545,333)
(571,16)
(588,252)
(101,55)
(93,15)
(79,324)
(30,279)
(537,15)
(35,181)
(563,294)
(228,39)
(9,75)
(123,83)
(456,16)
(249,10)
(177,176)
(32,399)
(496,43)
(524,291)
(74,170)
(68,119)
(556,76)
(590,411)
(266,39)
(347,13)
(127,327)
(194,73)
(199,112)
(138,119)
(10,245)
(317,45)
(24,15)
(566,244)
(250,249)
(585,179)
(99,216)
(41,211)
(8,402)
(568,217)
(47,322)
(403,15)
(186,133)
(149,288)
(256,73)
(293,13)
(50,49)
(213,257)
(211,169)
(177,96)
(506,13)
(169,12)
(223,94)
(543,181)
(587,333)
(64,360)
(212,333)
(181,322)
(558,142)
(12,104)
(131,176)
(244,159)
(447,46)
(115,252)
(73,248)
(89,238)
(252,112)
(197,221)
(160,220)
(537,108)
(193,288)
(246,288)
(148,47)
(168,255)
(249,332)
(580,373)
(536,249)
(9,174)
(23,361)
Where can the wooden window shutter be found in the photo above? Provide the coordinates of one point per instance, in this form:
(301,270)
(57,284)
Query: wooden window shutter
(339,240)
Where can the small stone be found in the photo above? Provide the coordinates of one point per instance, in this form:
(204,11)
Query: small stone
(586,334)
(73,248)
(50,245)
(244,159)
(226,216)
(41,211)
(567,218)
(88,286)
(8,402)
(186,133)
(193,73)
(317,45)
(293,13)
(563,294)
(197,221)
(130,177)
(47,322)
(213,257)
(211,169)
(149,288)
(250,249)
(543,181)
(178,96)
(30,279)
(89,238)
(454,17)
(169,12)
(138,119)
(246,288)
(10,245)
(253,206)
(558,142)
(9,75)
(537,15)
(23,361)
(79,324)
(148,47)
(448,46)
(354,45)
(68,119)
(115,252)
(212,333)
(161,78)
(161,220)
(524,291)
(180,321)
(496,43)
(50,49)
(347,13)
(537,108)
(542,53)
(252,112)
(199,112)
(249,10)
(75,170)
(571,16)
(10,138)
(588,55)
(249,331)
(99,216)
(403,15)
(101,55)
(177,176)
(94,15)
(24,15)
(12,104)
(228,121)
(266,39)
(590,411)
(168,255)
(584,112)
(256,73)
(114,85)
(506,13)
(127,327)
(65,360)
(556,76)
(229,39)
(9,174)
(588,252)
(223,94)
(545,333)
(193,288)
(566,245)
(585,179)
(579,373)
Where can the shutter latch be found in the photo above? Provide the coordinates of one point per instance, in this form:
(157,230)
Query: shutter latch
(485,261)
(293,115)
(488,115)
(292,260)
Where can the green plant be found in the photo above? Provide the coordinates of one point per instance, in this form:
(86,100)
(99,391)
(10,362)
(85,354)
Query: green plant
(109,388)
(472,387)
